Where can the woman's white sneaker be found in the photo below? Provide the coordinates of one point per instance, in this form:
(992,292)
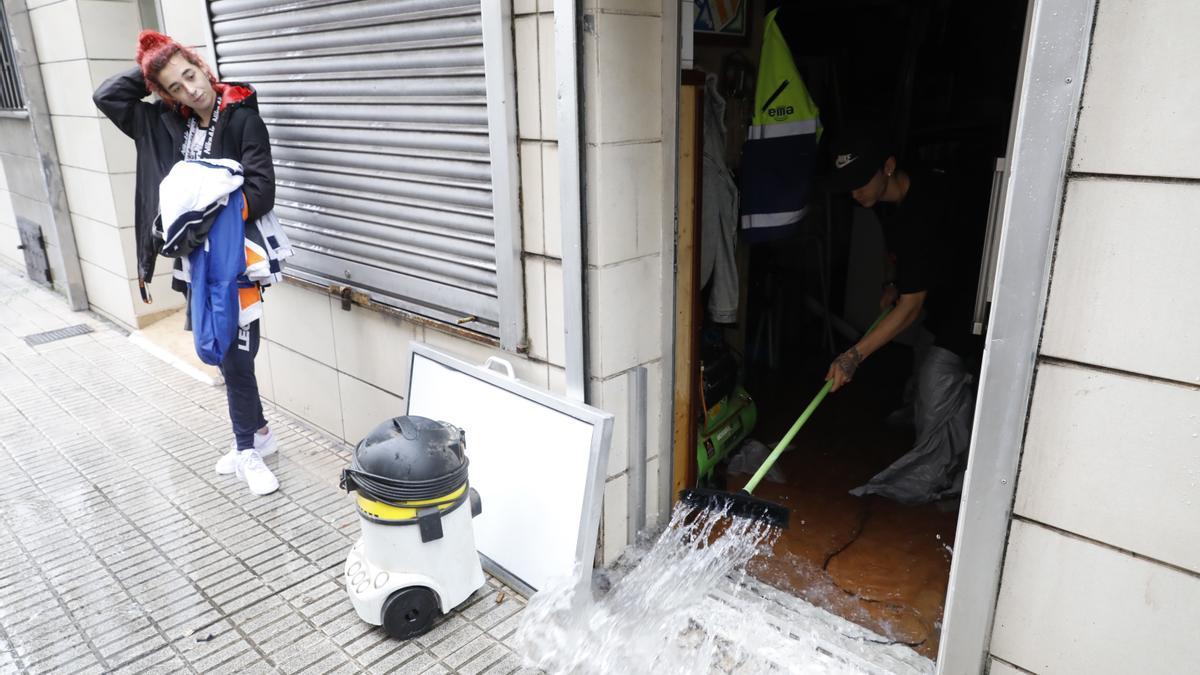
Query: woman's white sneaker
(265,444)
(258,477)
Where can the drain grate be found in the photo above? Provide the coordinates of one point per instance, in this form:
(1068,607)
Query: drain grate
(58,334)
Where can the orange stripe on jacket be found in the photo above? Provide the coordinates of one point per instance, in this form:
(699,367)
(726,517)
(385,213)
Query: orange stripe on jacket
(252,257)
(249,296)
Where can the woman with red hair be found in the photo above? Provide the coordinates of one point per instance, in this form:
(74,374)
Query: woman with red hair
(196,117)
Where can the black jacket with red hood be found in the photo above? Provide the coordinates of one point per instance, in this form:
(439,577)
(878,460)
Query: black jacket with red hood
(158,129)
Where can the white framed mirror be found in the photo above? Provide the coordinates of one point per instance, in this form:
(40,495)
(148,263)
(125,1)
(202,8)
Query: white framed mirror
(537,460)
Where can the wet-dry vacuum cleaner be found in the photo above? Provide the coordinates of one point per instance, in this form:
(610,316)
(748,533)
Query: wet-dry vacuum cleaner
(416,558)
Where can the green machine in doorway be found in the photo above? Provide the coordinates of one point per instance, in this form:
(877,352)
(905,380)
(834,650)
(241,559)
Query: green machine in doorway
(725,425)
(728,413)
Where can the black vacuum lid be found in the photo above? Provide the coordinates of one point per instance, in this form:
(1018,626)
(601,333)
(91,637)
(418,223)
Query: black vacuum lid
(412,450)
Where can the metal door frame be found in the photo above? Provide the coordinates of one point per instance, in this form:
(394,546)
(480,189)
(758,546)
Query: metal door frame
(1049,90)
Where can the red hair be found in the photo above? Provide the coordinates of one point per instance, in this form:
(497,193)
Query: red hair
(154,51)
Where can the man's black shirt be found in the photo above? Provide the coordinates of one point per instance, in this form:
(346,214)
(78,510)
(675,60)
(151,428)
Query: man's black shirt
(936,236)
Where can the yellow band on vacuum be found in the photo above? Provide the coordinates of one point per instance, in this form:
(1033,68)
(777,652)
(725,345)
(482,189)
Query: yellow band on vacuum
(383,511)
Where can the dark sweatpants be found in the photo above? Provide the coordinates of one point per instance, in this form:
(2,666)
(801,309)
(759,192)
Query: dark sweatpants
(241,387)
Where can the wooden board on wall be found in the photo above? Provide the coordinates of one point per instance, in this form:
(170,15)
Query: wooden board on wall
(687,282)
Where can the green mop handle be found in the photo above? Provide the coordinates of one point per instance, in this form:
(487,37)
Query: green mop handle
(787,438)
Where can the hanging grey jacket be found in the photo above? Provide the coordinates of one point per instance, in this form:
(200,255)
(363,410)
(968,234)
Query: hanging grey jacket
(718,213)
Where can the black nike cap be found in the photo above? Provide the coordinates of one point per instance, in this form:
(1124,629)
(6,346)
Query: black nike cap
(856,154)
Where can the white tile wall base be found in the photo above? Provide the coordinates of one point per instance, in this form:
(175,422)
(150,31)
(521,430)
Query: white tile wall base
(532,227)
(371,351)
(300,320)
(307,388)
(1108,305)
(124,193)
(1116,459)
(525,39)
(625,207)
(623,78)
(79,142)
(108,293)
(546,78)
(1070,606)
(1138,81)
(69,87)
(90,194)
(119,150)
(365,407)
(110,29)
(624,310)
(373,346)
(612,395)
(57,33)
(616,524)
(536,306)
(100,70)
(551,206)
(106,246)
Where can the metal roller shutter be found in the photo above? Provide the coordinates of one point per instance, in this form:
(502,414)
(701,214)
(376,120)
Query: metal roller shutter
(378,117)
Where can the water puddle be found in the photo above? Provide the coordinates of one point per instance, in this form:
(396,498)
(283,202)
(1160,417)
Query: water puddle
(659,613)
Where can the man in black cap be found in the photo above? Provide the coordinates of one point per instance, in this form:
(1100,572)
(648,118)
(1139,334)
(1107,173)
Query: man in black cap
(932,262)
(862,168)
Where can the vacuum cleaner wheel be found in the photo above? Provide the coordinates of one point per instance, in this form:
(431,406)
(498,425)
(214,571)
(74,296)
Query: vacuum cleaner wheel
(410,612)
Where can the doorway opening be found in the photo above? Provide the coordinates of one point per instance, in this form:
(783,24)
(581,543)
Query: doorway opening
(934,81)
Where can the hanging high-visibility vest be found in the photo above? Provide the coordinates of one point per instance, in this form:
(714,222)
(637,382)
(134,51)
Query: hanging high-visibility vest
(780,153)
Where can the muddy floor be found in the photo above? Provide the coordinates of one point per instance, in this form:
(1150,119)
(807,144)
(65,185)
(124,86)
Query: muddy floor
(880,564)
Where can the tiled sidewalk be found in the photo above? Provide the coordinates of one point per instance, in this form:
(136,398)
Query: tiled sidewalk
(121,550)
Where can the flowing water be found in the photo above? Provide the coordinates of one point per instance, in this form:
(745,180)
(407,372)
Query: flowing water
(658,616)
